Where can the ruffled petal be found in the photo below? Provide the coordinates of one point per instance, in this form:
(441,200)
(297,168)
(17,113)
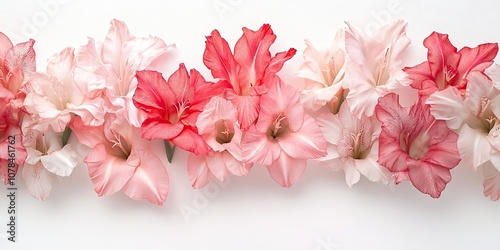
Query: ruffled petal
(61,162)
(448,105)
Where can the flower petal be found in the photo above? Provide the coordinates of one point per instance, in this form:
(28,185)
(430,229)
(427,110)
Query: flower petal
(352,174)
(217,166)
(191,141)
(491,182)
(38,180)
(286,170)
(256,148)
(197,170)
(109,173)
(61,162)
(307,143)
(448,105)
(473,146)
(370,168)
(219,58)
(149,180)
(428,178)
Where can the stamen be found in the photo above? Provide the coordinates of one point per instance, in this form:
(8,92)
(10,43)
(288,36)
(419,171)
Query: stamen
(383,66)
(277,124)
(117,142)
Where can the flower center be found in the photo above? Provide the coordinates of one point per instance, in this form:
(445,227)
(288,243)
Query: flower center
(415,147)
(279,127)
(381,71)
(448,74)
(41,144)
(224,131)
(330,72)
(180,108)
(484,119)
(359,148)
(120,143)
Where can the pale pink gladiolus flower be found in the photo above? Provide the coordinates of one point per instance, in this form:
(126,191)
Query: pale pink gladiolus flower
(47,158)
(107,70)
(475,116)
(375,65)
(353,145)
(52,99)
(324,71)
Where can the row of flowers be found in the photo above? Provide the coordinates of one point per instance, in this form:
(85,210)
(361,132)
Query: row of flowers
(355,108)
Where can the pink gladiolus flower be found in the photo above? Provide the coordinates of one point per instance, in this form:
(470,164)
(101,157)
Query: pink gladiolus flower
(353,145)
(284,137)
(120,159)
(375,66)
(47,158)
(323,71)
(415,146)
(445,67)
(250,71)
(107,70)
(17,62)
(219,127)
(172,107)
(53,98)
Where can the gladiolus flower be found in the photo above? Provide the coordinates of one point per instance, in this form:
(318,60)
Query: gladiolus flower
(284,137)
(173,106)
(250,71)
(17,62)
(219,127)
(119,159)
(445,67)
(324,72)
(375,66)
(415,146)
(353,145)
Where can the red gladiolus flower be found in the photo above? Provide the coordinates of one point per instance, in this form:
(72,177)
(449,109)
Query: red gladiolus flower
(446,67)
(173,106)
(249,71)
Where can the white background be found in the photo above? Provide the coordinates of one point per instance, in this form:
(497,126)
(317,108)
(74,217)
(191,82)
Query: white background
(253,212)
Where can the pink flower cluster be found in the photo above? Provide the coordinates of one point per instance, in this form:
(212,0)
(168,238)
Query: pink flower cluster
(354,107)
